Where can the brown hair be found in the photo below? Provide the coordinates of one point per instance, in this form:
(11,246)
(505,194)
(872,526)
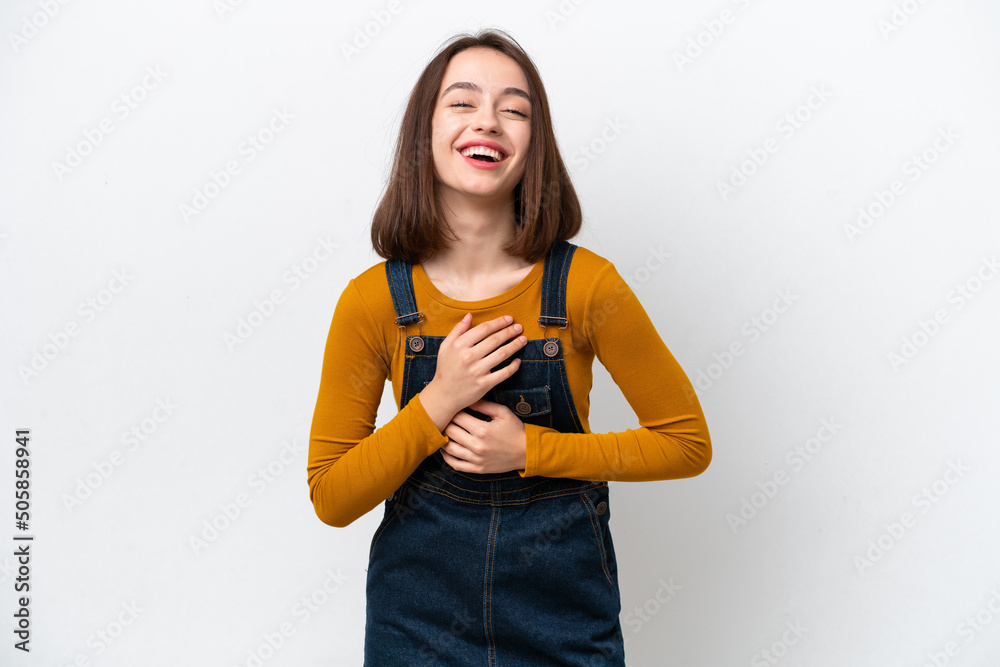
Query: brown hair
(407,223)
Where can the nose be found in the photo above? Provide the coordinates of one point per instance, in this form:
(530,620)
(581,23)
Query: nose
(486,119)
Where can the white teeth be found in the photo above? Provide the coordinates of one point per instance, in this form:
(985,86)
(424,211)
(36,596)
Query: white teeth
(482,150)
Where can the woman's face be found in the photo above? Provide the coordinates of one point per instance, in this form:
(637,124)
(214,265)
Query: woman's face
(483,101)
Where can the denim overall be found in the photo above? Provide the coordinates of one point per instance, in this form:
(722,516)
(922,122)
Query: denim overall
(495,570)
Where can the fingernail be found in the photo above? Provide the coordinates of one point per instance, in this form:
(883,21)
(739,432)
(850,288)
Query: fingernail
(508,318)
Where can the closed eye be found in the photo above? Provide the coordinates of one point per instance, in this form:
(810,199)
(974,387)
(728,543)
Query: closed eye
(465,104)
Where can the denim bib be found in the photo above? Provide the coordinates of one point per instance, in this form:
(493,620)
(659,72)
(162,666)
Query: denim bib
(495,569)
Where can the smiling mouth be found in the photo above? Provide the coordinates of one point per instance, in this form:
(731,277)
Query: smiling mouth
(483,154)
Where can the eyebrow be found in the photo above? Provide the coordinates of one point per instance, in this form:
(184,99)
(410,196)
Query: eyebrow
(466,85)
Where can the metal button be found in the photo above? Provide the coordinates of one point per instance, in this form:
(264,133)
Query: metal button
(522,407)
(551,348)
(602,507)
(416,343)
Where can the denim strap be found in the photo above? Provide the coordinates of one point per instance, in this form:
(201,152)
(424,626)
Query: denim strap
(557,262)
(398,272)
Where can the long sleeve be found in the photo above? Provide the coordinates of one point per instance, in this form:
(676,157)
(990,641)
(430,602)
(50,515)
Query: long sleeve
(351,466)
(672,441)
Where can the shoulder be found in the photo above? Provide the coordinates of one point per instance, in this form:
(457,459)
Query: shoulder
(371,286)
(596,290)
(590,281)
(588,272)
(587,262)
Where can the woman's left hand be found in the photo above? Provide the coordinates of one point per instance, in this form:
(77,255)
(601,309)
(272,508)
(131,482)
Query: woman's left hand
(480,446)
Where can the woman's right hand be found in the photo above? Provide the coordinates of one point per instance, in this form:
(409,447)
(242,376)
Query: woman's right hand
(464,360)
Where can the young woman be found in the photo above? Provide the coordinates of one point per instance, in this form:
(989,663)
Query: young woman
(494,547)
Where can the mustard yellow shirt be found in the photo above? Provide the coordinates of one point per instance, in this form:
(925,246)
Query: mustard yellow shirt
(352,467)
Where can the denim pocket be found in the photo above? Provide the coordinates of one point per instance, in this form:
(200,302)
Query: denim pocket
(525,403)
(602,533)
(392,504)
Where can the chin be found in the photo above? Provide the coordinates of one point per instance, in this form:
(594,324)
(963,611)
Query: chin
(489,194)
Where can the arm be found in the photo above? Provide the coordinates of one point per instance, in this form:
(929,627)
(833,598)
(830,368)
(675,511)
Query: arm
(352,467)
(672,441)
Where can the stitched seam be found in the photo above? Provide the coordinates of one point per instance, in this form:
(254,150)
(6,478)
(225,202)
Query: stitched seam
(471,479)
(510,393)
(549,285)
(503,503)
(600,540)
(570,404)
(407,372)
(563,276)
(587,319)
(488,597)
(462,488)
(411,294)
(371,318)
(390,519)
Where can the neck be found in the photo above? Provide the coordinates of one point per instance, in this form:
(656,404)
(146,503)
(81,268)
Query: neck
(482,228)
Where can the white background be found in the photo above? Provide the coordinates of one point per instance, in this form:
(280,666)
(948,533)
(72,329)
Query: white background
(661,134)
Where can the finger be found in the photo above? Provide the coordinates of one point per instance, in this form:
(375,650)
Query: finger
(458,451)
(459,424)
(468,422)
(485,406)
(495,331)
(452,461)
(460,465)
(496,377)
(503,352)
(503,337)
(460,327)
(464,444)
